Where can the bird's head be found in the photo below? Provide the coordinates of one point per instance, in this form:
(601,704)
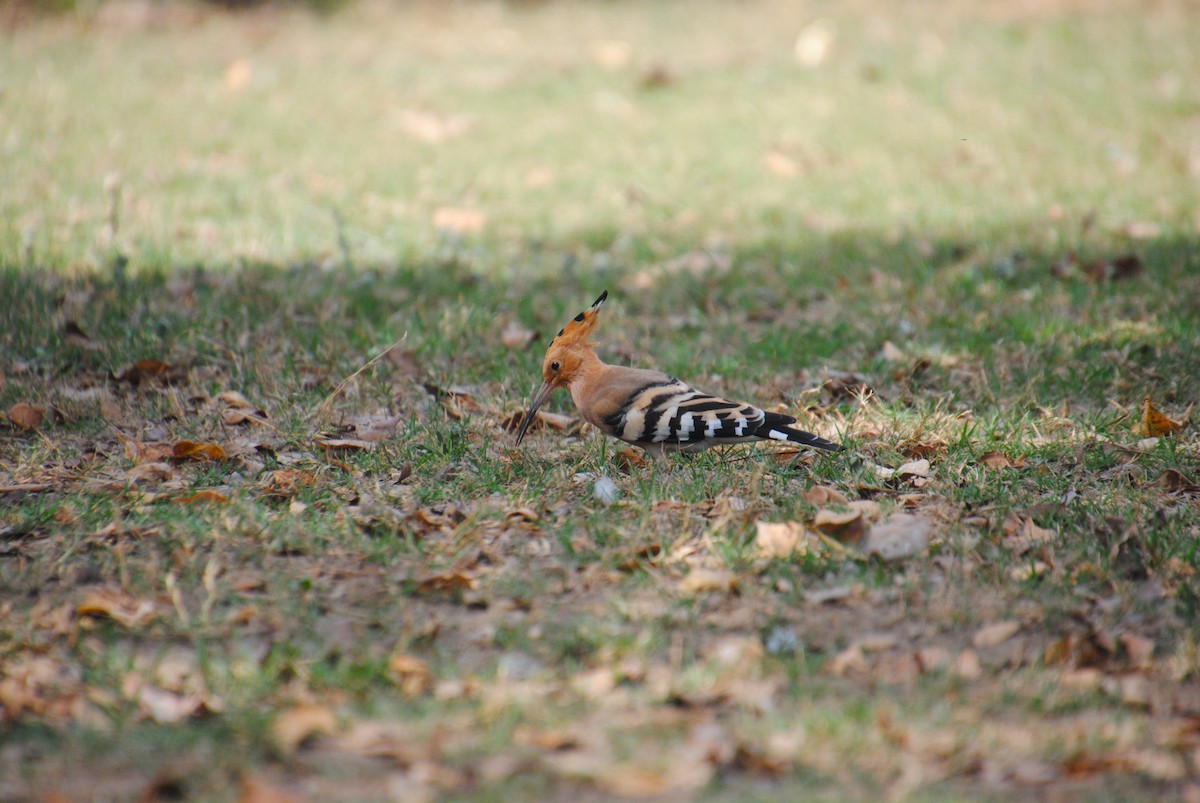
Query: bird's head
(564,358)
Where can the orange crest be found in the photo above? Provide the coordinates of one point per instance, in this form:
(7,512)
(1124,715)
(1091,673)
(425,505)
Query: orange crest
(576,332)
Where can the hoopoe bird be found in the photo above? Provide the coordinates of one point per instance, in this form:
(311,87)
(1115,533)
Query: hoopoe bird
(650,409)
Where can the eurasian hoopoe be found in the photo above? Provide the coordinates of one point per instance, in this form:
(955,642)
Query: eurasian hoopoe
(650,409)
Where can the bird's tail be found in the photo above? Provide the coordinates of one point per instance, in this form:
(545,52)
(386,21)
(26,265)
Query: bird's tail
(776,427)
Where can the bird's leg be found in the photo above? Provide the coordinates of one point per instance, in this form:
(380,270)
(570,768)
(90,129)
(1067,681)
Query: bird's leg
(655,450)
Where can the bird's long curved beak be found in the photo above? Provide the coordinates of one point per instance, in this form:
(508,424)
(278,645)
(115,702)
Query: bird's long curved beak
(538,399)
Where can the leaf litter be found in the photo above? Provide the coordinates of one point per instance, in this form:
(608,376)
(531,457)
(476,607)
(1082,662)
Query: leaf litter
(705,630)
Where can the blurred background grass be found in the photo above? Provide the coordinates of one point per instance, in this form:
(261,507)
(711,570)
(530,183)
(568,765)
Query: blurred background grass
(174,134)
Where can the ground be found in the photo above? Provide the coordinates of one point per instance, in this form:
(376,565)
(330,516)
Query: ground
(275,289)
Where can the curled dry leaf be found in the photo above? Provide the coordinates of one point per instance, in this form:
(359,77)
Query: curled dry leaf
(1154,424)
(294,726)
(193,450)
(238,409)
(917,471)
(629,459)
(780,539)
(26,416)
(996,633)
(701,580)
(847,526)
(118,605)
(995,460)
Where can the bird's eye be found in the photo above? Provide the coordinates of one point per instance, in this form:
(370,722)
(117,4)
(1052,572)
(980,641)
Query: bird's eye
(555,365)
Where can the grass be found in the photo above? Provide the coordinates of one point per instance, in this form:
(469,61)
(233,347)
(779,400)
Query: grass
(267,201)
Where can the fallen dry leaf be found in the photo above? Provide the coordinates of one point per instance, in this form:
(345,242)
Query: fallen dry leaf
(376,427)
(703,580)
(847,526)
(823,495)
(994,634)
(26,416)
(238,409)
(1154,424)
(149,371)
(284,483)
(293,726)
(1021,534)
(995,460)
(116,604)
(629,459)
(411,674)
(206,495)
(193,450)
(444,583)
(780,539)
(168,707)
(1174,482)
(903,535)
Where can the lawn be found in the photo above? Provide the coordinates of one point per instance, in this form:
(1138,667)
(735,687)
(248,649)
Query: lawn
(275,287)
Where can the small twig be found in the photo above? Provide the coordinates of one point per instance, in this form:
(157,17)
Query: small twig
(30,487)
(329,399)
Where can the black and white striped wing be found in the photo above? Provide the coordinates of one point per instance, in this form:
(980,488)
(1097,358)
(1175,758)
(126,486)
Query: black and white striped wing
(672,413)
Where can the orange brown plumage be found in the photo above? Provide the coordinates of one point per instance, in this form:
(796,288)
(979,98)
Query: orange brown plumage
(651,409)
